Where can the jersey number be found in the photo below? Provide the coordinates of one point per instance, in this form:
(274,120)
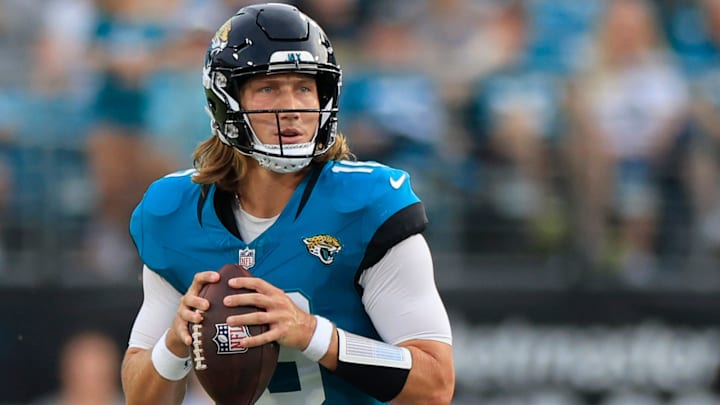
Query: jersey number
(297,379)
(349,166)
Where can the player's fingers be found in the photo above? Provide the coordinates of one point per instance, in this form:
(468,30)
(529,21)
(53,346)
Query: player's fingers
(195,302)
(185,336)
(187,314)
(191,298)
(254,283)
(257,318)
(251,318)
(248,299)
(285,327)
(200,279)
(180,328)
(261,339)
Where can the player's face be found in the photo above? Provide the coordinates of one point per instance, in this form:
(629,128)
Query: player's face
(287,91)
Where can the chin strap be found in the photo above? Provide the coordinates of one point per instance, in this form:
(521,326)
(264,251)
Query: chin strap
(281,165)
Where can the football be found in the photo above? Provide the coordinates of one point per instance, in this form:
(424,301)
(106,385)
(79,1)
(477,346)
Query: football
(231,375)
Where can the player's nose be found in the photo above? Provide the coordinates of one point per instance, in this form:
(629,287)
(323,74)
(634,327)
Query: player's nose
(288,100)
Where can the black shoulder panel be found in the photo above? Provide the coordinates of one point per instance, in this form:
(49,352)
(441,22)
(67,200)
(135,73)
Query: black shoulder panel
(405,223)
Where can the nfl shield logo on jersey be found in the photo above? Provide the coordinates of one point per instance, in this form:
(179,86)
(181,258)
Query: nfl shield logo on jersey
(227,338)
(247,257)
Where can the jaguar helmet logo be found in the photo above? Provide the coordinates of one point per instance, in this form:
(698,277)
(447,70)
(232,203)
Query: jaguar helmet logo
(324,247)
(220,39)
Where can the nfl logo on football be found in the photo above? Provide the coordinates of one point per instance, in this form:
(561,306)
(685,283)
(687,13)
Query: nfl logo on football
(246,257)
(227,338)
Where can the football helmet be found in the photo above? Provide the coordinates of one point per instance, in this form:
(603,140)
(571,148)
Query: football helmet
(265,39)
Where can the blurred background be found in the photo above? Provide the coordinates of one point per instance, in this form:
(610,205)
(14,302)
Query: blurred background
(567,152)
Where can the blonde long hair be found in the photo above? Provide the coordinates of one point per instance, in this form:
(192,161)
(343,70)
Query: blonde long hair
(217,163)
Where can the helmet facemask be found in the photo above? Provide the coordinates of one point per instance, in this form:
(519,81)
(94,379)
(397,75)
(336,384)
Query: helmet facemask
(284,157)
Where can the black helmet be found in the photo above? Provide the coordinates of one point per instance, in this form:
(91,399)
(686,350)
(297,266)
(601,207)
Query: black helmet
(262,39)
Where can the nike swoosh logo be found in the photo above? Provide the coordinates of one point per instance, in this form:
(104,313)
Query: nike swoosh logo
(396,183)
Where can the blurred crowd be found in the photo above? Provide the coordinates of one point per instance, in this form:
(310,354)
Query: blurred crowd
(543,129)
(88,373)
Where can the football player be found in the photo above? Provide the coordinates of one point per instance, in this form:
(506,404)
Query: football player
(341,268)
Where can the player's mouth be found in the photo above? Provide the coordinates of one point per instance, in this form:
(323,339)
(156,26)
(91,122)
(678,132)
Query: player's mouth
(290,135)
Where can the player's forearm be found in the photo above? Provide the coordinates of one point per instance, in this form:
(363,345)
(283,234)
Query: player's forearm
(431,379)
(144,386)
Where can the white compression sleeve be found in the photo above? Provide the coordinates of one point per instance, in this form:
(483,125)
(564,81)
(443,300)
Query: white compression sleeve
(160,303)
(402,284)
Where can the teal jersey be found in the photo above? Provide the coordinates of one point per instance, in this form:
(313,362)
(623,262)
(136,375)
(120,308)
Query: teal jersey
(341,219)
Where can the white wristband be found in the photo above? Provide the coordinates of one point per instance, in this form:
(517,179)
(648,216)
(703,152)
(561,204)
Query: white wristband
(167,364)
(320,341)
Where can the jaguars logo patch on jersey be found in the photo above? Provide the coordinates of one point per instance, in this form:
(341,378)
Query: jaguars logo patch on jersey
(324,247)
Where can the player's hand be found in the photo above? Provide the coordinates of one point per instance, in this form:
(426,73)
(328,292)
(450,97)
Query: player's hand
(179,337)
(289,325)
